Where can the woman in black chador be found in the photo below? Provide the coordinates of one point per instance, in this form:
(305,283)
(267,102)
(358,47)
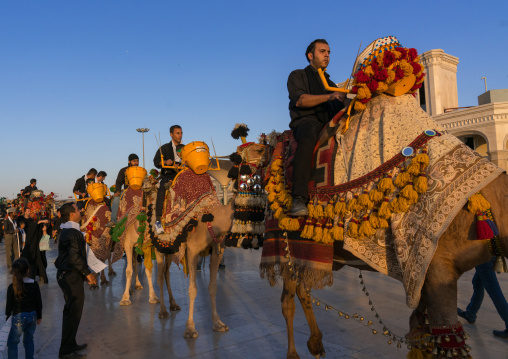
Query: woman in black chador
(32,252)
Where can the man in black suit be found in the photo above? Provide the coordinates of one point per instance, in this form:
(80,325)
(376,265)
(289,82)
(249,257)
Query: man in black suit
(171,156)
(11,237)
(72,273)
(80,186)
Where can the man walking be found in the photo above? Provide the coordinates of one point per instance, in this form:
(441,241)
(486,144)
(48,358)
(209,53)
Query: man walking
(170,154)
(72,273)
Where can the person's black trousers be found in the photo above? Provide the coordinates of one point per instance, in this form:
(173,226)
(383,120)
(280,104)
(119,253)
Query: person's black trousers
(71,283)
(159,205)
(306,134)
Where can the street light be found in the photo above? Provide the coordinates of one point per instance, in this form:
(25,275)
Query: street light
(485,79)
(143,130)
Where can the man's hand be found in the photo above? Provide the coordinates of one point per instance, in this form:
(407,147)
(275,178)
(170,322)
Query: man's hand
(91,279)
(39,321)
(168,162)
(337,96)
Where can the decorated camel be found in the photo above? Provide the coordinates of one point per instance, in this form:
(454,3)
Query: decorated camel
(393,190)
(96,215)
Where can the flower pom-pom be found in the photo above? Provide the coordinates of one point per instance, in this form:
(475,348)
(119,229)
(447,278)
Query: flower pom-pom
(240,130)
(477,203)
(421,183)
(233,173)
(235,158)
(402,179)
(359,106)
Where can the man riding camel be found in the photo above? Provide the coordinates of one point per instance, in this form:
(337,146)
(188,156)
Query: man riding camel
(80,186)
(170,153)
(311,107)
(28,191)
(133,160)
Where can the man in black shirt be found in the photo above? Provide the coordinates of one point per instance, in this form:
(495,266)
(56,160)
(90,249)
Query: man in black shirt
(311,107)
(120,182)
(170,154)
(80,186)
(72,273)
(28,191)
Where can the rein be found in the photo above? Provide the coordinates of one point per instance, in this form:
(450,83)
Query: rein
(210,230)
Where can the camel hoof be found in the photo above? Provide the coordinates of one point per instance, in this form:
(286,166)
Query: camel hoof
(154,300)
(190,333)
(93,287)
(111,274)
(220,327)
(293,356)
(125,302)
(163,314)
(138,286)
(104,282)
(174,307)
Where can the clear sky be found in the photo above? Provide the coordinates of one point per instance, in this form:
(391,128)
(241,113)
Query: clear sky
(78,77)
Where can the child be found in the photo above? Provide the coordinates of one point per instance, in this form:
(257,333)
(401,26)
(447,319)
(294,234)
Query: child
(25,305)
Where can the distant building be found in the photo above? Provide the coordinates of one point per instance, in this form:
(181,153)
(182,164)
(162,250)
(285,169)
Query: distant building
(484,128)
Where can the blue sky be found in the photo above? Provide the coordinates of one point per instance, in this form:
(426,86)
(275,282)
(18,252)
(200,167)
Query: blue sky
(78,77)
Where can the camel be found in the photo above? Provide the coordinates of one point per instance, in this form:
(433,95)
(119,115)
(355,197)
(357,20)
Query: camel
(457,253)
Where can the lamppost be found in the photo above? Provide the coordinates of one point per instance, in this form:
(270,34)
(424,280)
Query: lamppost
(143,130)
(485,79)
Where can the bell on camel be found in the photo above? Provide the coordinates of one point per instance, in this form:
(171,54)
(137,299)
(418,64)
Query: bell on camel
(500,265)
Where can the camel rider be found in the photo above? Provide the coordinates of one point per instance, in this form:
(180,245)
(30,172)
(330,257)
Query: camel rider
(171,156)
(120,181)
(80,187)
(28,191)
(311,107)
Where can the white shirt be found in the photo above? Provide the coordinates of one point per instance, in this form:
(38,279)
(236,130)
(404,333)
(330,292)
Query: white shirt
(14,224)
(177,158)
(71,224)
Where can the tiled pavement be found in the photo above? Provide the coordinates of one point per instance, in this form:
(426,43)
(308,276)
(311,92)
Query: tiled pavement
(251,309)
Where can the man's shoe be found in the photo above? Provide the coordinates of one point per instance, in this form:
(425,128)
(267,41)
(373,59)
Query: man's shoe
(501,333)
(80,347)
(299,207)
(110,224)
(74,355)
(464,315)
(158,227)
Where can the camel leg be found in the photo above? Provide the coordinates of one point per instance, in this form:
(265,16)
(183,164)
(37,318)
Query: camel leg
(128,276)
(163,312)
(172,302)
(315,343)
(288,310)
(153,297)
(192,260)
(111,271)
(94,286)
(104,280)
(138,284)
(215,259)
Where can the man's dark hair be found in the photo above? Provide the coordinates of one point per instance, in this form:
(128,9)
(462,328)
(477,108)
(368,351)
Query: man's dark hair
(33,180)
(312,47)
(102,174)
(90,180)
(92,171)
(172,128)
(66,211)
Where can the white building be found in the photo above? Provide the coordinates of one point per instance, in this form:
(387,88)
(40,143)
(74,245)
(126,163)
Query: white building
(484,127)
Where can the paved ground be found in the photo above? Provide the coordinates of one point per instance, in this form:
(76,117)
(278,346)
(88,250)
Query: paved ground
(251,309)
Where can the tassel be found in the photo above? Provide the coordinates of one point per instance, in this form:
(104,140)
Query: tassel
(318,210)
(288,204)
(337,232)
(477,203)
(272,196)
(352,205)
(492,226)
(376,195)
(274,206)
(422,158)
(409,193)
(329,210)
(413,169)
(384,209)
(318,232)
(310,209)
(364,200)
(483,230)
(400,205)
(327,232)
(421,183)
(374,220)
(340,207)
(366,230)
(353,228)
(402,179)
(386,185)
(383,223)
(308,230)
(294,225)
(279,187)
